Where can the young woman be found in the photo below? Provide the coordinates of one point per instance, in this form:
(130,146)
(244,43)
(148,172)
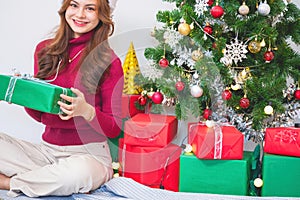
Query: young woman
(73,156)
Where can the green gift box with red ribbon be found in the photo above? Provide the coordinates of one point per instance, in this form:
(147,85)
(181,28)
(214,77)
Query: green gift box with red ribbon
(32,93)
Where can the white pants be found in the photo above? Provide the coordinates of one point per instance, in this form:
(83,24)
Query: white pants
(45,169)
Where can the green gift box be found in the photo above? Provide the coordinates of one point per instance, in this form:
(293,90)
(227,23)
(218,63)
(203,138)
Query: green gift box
(35,94)
(281,175)
(215,176)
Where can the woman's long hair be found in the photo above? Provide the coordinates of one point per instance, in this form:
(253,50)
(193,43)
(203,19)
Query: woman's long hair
(57,50)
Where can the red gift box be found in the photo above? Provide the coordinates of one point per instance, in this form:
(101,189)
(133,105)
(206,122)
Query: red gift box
(151,166)
(150,130)
(218,142)
(282,141)
(128,105)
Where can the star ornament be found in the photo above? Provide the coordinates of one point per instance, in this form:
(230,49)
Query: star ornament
(236,51)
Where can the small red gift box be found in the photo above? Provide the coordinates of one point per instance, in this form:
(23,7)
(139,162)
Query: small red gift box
(151,166)
(218,142)
(128,105)
(282,141)
(150,130)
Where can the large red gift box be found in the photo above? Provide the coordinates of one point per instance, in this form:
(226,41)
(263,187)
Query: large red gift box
(150,130)
(282,141)
(155,167)
(128,105)
(218,142)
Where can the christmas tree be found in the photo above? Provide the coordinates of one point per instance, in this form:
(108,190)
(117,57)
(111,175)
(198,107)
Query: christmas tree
(227,59)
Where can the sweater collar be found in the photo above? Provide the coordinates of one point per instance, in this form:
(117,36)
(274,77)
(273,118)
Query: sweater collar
(82,39)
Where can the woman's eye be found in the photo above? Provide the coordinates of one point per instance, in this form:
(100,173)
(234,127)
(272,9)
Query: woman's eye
(90,8)
(73,5)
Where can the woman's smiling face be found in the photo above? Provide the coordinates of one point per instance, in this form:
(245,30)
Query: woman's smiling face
(82,16)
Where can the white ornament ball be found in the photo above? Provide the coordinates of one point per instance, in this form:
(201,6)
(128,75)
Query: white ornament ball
(258,182)
(196,91)
(268,110)
(196,76)
(244,9)
(264,9)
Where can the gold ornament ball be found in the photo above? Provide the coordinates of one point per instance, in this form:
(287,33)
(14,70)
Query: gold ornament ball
(197,55)
(254,47)
(184,29)
(258,182)
(268,110)
(244,9)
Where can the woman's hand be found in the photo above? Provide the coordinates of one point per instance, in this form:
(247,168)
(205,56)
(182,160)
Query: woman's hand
(77,107)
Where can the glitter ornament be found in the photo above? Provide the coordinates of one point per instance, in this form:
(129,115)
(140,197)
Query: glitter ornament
(263,8)
(197,55)
(268,56)
(244,9)
(268,110)
(157,97)
(184,28)
(164,63)
(217,11)
(226,94)
(142,100)
(254,46)
(244,102)
(208,29)
(297,94)
(196,91)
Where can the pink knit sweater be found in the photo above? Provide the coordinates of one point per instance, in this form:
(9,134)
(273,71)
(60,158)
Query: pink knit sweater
(107,103)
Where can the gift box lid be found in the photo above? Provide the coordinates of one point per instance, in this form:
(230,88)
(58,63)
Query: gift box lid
(148,125)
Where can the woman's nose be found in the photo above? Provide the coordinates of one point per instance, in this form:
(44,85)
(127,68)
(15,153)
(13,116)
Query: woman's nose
(80,13)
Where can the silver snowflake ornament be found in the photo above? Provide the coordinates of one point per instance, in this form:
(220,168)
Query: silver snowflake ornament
(200,7)
(236,51)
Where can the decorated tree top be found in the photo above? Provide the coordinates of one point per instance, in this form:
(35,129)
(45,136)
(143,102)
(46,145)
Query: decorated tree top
(131,69)
(229,57)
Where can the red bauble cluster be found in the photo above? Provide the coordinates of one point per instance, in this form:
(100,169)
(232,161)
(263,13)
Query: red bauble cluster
(268,56)
(244,102)
(297,94)
(217,11)
(157,97)
(164,63)
(226,94)
(179,85)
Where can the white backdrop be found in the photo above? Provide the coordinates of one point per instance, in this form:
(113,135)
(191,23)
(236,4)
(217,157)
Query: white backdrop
(25,23)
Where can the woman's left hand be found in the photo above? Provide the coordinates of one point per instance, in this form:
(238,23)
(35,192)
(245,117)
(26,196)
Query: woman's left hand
(77,107)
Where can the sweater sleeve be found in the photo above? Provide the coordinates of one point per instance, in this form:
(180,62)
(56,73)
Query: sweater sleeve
(108,115)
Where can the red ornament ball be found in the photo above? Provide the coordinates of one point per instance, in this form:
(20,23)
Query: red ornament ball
(217,11)
(208,29)
(210,2)
(207,113)
(244,102)
(157,97)
(297,94)
(226,95)
(179,85)
(268,56)
(164,63)
(142,100)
